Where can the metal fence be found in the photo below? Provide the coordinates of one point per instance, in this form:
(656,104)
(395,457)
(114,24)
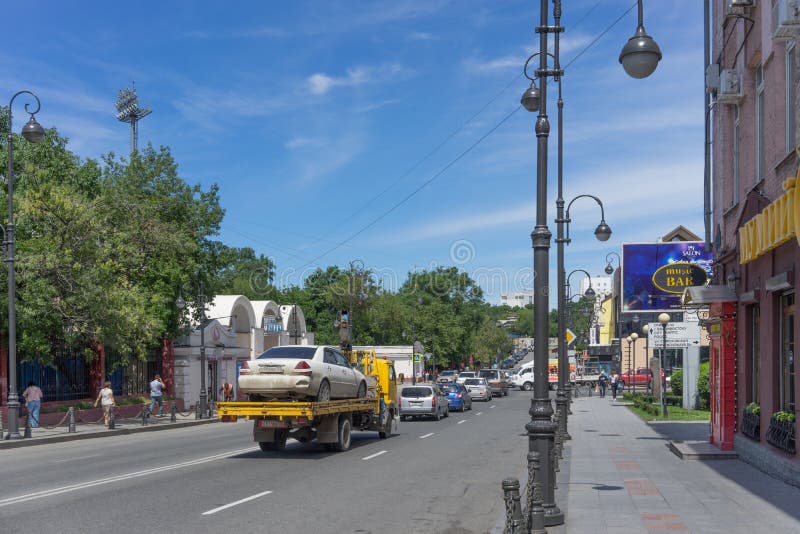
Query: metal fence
(69,376)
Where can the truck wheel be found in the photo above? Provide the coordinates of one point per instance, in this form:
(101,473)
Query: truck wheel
(505,393)
(343,442)
(386,431)
(362,390)
(278,443)
(527,386)
(324,393)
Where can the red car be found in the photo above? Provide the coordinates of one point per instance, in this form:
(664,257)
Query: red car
(642,377)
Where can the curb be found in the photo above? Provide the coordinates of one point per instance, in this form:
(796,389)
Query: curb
(44,440)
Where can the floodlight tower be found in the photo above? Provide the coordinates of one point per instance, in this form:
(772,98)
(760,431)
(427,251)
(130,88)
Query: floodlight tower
(128,110)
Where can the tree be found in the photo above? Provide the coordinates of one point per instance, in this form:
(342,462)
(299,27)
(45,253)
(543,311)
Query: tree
(491,342)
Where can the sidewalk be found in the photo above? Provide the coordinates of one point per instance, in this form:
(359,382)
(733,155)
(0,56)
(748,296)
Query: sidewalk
(619,476)
(44,435)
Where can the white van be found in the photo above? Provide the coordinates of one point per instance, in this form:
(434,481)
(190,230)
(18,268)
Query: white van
(523,379)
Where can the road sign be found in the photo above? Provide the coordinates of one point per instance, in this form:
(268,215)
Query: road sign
(679,335)
(416,358)
(570,336)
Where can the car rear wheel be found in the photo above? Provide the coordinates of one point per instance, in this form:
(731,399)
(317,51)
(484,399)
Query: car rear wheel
(324,392)
(437,416)
(527,386)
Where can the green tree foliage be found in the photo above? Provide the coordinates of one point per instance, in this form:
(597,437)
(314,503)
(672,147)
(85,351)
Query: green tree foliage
(676,382)
(703,386)
(492,342)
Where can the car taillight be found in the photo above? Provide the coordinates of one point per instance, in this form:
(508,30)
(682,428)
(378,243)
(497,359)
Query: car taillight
(433,402)
(244,369)
(302,368)
(458,395)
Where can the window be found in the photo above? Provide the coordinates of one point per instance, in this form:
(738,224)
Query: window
(759,123)
(787,353)
(755,352)
(341,360)
(329,358)
(790,108)
(735,155)
(299,353)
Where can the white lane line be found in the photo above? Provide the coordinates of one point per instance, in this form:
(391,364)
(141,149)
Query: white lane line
(117,478)
(462,421)
(427,435)
(240,501)
(478,413)
(492,406)
(371,456)
(78,458)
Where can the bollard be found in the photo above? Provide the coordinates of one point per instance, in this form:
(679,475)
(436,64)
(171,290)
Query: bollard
(197,411)
(111,421)
(173,413)
(27,433)
(515,522)
(71,420)
(535,511)
(145,416)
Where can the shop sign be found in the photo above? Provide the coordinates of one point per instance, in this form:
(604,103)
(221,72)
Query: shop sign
(676,277)
(775,225)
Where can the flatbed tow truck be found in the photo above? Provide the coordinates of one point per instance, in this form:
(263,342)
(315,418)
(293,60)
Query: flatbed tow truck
(330,422)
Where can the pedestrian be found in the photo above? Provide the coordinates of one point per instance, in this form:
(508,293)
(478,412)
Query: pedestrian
(106,400)
(602,382)
(614,380)
(33,399)
(157,395)
(227,391)
(402,378)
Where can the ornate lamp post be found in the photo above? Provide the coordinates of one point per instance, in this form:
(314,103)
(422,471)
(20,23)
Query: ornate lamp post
(663,318)
(633,337)
(617,306)
(646,333)
(33,133)
(180,303)
(541,429)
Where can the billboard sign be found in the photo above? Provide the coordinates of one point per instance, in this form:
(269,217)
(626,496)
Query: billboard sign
(654,275)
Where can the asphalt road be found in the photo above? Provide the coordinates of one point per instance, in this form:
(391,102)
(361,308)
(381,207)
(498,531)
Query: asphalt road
(431,477)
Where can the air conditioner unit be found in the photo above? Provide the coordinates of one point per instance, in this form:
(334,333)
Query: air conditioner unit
(712,78)
(730,87)
(736,8)
(785,20)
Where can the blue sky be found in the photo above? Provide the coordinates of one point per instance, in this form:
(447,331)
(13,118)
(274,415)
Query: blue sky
(304,112)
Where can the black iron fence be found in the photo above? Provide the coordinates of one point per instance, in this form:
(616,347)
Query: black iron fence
(69,375)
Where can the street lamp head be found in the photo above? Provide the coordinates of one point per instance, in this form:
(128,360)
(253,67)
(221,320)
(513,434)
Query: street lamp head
(628,339)
(609,268)
(646,329)
(634,336)
(530,98)
(589,293)
(603,231)
(663,318)
(179,302)
(640,55)
(33,131)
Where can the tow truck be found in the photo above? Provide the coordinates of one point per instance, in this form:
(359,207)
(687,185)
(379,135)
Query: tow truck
(330,422)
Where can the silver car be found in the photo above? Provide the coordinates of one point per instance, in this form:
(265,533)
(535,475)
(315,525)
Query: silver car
(478,389)
(301,372)
(427,400)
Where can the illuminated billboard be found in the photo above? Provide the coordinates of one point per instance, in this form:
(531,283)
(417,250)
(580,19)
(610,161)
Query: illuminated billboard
(654,275)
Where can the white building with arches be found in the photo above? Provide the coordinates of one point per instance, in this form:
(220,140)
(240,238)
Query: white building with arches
(236,329)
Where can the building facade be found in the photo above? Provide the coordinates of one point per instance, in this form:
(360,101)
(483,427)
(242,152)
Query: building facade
(518,299)
(756,219)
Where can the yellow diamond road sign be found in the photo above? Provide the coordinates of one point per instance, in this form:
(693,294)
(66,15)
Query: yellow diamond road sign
(570,336)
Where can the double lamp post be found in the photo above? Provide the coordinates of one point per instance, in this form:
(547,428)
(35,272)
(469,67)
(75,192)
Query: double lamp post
(639,58)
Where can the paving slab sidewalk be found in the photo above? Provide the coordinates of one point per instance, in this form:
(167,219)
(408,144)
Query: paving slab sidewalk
(619,476)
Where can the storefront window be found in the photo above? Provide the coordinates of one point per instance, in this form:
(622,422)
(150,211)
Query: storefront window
(787,353)
(755,352)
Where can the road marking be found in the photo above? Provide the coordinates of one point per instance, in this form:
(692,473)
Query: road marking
(492,406)
(78,458)
(462,421)
(118,478)
(427,435)
(240,501)
(478,413)
(371,456)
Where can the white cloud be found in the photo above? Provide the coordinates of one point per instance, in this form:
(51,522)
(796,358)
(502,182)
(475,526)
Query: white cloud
(302,142)
(490,66)
(320,84)
(420,36)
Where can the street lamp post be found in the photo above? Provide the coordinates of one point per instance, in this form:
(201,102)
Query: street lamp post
(633,337)
(180,303)
(617,305)
(663,318)
(34,133)
(541,429)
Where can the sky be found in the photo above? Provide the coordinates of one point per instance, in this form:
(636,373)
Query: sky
(384,132)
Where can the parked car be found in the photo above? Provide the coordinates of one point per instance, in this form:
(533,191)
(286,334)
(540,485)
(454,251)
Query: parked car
(524,378)
(447,376)
(498,381)
(423,400)
(457,397)
(301,372)
(642,377)
(478,389)
(463,375)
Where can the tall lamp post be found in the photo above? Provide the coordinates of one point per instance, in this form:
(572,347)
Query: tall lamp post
(617,305)
(663,318)
(180,303)
(541,428)
(633,337)
(33,133)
